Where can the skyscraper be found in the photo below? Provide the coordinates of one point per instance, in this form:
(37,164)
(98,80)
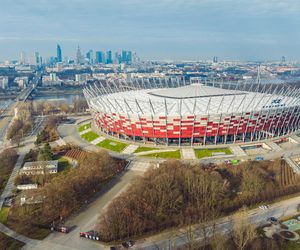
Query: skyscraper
(109,58)
(37,58)
(90,56)
(79,57)
(58,53)
(100,58)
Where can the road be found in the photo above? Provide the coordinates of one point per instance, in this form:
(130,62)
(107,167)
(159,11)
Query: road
(86,219)
(223,225)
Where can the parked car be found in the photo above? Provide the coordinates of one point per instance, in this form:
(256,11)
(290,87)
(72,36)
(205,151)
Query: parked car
(259,158)
(92,235)
(273,220)
(61,229)
(264,207)
(128,244)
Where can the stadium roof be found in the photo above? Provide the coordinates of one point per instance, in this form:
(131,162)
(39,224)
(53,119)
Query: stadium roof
(186,100)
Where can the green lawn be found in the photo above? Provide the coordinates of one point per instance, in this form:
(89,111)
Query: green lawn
(166,155)
(9,243)
(112,145)
(200,153)
(90,136)
(84,127)
(4,214)
(144,149)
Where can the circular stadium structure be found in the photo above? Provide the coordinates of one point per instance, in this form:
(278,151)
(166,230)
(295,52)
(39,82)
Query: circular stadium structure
(172,111)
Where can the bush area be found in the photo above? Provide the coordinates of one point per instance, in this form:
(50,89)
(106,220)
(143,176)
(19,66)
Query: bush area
(22,124)
(166,155)
(49,133)
(64,194)
(200,153)
(90,136)
(178,194)
(144,149)
(8,243)
(8,159)
(84,127)
(112,145)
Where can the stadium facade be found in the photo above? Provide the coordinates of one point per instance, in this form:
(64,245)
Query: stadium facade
(175,112)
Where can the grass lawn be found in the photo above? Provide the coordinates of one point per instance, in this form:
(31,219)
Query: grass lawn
(63,163)
(166,155)
(144,149)
(200,153)
(291,245)
(84,127)
(112,145)
(90,136)
(9,243)
(4,214)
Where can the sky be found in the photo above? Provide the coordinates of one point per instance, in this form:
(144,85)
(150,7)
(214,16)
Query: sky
(155,29)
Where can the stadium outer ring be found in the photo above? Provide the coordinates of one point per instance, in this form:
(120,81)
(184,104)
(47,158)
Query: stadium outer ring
(191,129)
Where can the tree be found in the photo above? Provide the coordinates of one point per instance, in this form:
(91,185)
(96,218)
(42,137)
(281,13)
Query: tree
(243,231)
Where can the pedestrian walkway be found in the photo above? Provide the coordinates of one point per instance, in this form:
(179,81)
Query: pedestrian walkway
(97,140)
(188,154)
(4,229)
(7,192)
(155,151)
(273,146)
(130,149)
(85,131)
(60,142)
(140,166)
(295,138)
(237,151)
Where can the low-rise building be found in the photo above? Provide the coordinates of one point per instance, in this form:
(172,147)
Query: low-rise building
(3,82)
(39,167)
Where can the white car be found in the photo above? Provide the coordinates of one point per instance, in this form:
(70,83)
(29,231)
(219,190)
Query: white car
(264,207)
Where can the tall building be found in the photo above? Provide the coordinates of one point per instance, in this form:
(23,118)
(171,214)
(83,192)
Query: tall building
(79,56)
(58,53)
(90,56)
(23,58)
(109,58)
(37,58)
(124,56)
(215,59)
(100,58)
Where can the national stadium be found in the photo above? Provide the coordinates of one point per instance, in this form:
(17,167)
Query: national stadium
(172,111)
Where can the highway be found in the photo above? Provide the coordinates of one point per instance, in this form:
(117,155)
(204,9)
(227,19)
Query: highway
(8,114)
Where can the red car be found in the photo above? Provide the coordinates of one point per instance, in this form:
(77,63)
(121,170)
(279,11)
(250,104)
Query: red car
(92,235)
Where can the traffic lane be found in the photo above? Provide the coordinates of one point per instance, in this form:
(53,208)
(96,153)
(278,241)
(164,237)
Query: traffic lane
(87,218)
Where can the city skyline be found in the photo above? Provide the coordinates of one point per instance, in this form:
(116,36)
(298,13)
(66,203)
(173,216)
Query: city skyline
(232,30)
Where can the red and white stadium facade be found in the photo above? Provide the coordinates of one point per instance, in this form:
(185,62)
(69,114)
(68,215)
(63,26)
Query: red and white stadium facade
(173,112)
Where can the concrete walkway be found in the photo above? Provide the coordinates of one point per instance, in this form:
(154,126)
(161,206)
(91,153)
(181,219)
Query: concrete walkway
(238,151)
(85,131)
(274,146)
(156,151)
(130,149)
(7,192)
(188,154)
(97,140)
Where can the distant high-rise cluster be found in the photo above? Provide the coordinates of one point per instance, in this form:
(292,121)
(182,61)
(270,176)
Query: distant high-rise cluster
(90,57)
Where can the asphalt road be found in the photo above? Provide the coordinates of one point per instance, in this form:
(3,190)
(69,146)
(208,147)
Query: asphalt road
(86,219)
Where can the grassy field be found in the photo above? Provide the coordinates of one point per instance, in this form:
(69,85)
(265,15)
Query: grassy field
(144,149)
(84,127)
(112,145)
(200,153)
(9,243)
(166,155)
(90,136)
(4,214)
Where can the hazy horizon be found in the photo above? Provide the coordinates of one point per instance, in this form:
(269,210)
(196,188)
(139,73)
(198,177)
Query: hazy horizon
(157,29)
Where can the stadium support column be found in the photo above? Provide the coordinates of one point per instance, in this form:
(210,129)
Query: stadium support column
(180,113)
(207,113)
(220,119)
(194,113)
(166,121)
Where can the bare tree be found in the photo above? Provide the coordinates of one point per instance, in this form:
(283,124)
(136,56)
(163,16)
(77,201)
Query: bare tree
(243,231)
